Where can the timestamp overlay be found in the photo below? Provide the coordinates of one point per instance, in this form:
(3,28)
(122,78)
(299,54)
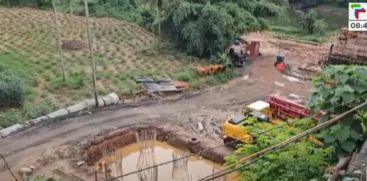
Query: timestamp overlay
(357,17)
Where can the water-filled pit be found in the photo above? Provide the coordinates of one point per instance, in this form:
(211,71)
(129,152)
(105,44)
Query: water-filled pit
(124,150)
(128,158)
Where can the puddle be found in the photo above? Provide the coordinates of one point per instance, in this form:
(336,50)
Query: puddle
(197,167)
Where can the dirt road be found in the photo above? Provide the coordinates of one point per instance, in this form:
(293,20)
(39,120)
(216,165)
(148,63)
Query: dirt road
(263,80)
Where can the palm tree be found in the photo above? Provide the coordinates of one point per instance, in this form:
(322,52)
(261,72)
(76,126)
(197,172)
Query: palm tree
(58,37)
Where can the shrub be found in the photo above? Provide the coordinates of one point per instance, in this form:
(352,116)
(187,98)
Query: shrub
(12,92)
(189,75)
(320,27)
(186,75)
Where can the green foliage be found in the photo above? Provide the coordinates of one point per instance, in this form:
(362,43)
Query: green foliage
(12,91)
(263,23)
(223,59)
(30,111)
(338,89)
(308,23)
(298,161)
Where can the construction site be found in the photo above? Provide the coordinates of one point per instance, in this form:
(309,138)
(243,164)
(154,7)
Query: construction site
(166,129)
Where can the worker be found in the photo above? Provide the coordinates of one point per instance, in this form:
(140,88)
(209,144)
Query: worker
(280,64)
(238,53)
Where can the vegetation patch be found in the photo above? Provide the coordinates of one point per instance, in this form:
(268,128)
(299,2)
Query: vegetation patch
(191,76)
(302,160)
(222,77)
(188,75)
(74,81)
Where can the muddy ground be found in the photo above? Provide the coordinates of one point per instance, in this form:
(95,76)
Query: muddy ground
(211,107)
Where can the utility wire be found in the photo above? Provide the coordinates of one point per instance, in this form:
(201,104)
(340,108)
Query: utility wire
(240,167)
(7,167)
(278,146)
(207,150)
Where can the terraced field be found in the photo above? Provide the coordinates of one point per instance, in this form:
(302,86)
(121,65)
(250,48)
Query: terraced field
(122,50)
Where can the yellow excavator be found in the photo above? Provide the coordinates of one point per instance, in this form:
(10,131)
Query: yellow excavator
(276,110)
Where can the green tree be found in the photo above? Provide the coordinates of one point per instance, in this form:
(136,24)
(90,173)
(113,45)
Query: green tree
(207,28)
(336,90)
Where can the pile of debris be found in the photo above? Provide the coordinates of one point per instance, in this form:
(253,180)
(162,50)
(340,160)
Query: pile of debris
(162,86)
(210,69)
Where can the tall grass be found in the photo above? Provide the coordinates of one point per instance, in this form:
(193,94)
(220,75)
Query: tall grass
(189,75)
(222,77)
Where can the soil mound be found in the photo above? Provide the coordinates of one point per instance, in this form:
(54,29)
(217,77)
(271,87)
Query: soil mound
(74,45)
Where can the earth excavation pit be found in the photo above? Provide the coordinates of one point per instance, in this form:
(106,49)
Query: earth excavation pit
(131,150)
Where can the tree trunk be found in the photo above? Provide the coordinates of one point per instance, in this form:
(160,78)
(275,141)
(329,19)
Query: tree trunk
(159,25)
(90,44)
(71,20)
(58,37)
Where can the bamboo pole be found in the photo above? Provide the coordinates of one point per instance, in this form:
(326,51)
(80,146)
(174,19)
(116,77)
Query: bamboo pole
(72,24)
(58,38)
(90,45)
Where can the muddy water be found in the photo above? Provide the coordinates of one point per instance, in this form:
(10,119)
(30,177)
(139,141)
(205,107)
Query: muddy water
(197,167)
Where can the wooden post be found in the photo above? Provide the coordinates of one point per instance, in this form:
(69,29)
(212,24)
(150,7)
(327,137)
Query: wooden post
(72,24)
(155,173)
(159,25)
(96,175)
(90,45)
(58,37)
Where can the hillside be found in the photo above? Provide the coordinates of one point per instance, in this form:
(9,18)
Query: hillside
(123,51)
